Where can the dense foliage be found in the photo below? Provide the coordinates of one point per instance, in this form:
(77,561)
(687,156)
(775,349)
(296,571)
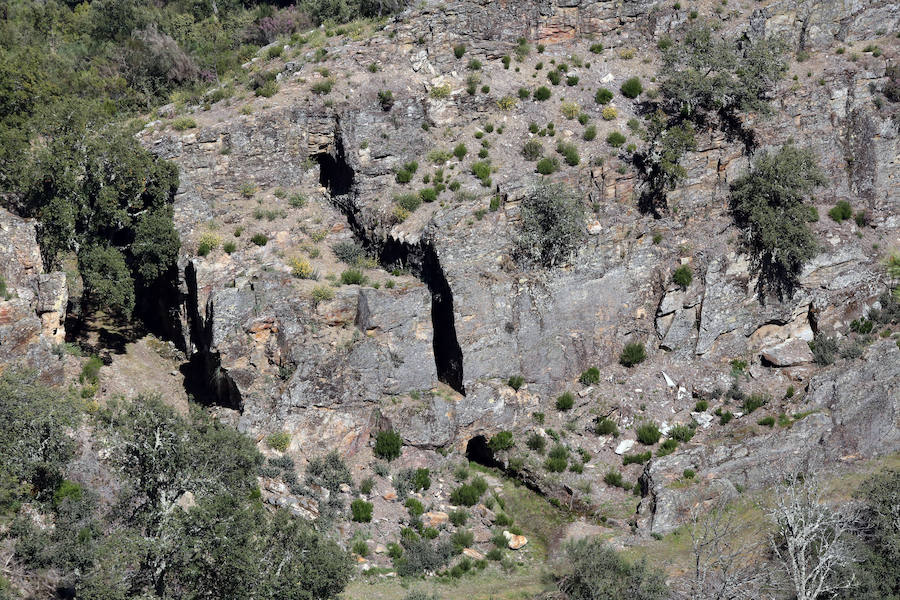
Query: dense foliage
(597,571)
(768,205)
(552,225)
(186,520)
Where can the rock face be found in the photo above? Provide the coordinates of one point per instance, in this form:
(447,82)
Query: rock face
(429,351)
(850,415)
(33,309)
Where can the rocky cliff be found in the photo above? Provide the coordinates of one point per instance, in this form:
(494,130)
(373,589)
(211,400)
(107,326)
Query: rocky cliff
(426,345)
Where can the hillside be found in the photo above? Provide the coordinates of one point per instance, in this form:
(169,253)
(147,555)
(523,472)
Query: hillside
(534,271)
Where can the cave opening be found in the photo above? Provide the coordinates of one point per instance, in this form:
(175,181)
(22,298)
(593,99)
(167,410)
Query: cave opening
(478,451)
(335,174)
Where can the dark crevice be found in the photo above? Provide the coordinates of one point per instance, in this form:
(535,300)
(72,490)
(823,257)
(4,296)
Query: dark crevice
(204,378)
(478,451)
(420,258)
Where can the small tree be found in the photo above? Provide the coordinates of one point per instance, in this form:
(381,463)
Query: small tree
(552,225)
(811,541)
(768,205)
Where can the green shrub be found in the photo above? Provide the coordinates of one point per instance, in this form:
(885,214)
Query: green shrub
(590,133)
(555,77)
(570,152)
(503,520)
(532,150)
(557,459)
(459,50)
(615,139)
(753,402)
(596,571)
(279,441)
(682,433)
(415,508)
(632,88)
(767,204)
(501,441)
(474,64)
(516,382)
(841,211)
(597,48)
(361,511)
(725,418)
(366,486)
(547,166)
(701,406)
(542,93)
(408,202)
(632,354)
(565,402)
(361,548)
(636,458)
(683,276)
(603,96)
(182,123)
(353,277)
(459,517)
(606,426)
(572,80)
(494,554)
(260,239)
(466,495)
(428,194)
(461,472)
(767,421)
(667,447)
(614,479)
(590,376)
(536,442)
(689,473)
(552,225)
(90,371)
(648,434)
(322,87)
(388,445)
(386,99)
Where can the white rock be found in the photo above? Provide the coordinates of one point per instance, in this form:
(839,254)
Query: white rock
(624,446)
(668,379)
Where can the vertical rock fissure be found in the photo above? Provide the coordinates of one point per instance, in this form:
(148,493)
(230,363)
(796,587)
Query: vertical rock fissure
(421,259)
(204,377)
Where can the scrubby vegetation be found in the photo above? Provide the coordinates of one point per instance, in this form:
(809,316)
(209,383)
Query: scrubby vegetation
(552,226)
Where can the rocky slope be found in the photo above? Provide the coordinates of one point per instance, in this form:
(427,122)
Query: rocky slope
(427,344)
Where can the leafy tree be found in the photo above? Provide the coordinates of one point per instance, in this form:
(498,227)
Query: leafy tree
(597,571)
(878,545)
(703,73)
(34,440)
(552,225)
(104,196)
(768,205)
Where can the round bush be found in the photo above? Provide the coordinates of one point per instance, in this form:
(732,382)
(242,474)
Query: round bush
(615,139)
(632,354)
(361,511)
(603,96)
(501,441)
(683,276)
(590,376)
(542,93)
(388,445)
(648,434)
(546,166)
(632,88)
(565,402)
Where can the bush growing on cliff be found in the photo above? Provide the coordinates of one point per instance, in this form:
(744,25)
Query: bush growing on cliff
(329,472)
(648,434)
(552,226)
(632,88)
(361,511)
(501,441)
(565,402)
(683,276)
(388,445)
(767,203)
(632,354)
